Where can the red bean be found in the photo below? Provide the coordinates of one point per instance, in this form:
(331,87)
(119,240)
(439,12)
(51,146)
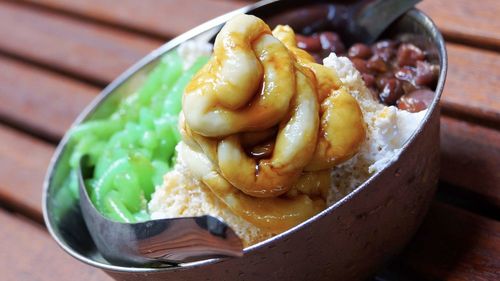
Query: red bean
(416,101)
(331,41)
(318,57)
(360,65)
(383,44)
(381,81)
(395,72)
(426,74)
(359,50)
(407,77)
(376,64)
(409,54)
(405,74)
(309,43)
(407,86)
(390,90)
(369,79)
(385,49)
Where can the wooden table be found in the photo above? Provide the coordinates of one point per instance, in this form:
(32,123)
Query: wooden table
(56,55)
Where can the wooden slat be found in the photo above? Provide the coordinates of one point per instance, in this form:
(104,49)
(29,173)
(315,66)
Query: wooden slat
(28,253)
(23,162)
(164,18)
(474,22)
(40,101)
(87,50)
(453,244)
(470,158)
(473,81)
(463,20)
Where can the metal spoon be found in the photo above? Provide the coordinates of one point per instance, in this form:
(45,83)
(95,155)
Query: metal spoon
(370,18)
(164,241)
(359,21)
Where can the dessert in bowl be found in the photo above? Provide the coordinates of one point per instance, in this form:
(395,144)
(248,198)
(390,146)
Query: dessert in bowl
(260,160)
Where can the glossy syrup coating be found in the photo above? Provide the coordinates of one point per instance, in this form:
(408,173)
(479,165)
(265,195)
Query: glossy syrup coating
(341,126)
(259,150)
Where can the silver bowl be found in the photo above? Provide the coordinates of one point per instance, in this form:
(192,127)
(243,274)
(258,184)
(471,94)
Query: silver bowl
(348,241)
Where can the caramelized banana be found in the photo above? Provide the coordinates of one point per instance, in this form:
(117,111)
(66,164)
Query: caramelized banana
(263,125)
(293,149)
(342,128)
(272,214)
(314,184)
(342,131)
(326,78)
(224,97)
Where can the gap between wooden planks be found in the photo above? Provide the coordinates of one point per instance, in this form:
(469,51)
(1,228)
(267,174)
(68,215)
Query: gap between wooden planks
(39,101)
(29,253)
(23,163)
(460,20)
(470,158)
(87,51)
(465,21)
(453,244)
(159,18)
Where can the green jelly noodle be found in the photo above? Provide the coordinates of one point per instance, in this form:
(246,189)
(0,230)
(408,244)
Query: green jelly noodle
(132,149)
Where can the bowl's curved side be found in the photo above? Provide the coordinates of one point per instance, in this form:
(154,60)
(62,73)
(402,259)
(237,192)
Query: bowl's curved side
(348,240)
(354,237)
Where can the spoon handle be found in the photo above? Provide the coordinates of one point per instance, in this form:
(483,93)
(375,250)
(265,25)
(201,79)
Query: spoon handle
(164,241)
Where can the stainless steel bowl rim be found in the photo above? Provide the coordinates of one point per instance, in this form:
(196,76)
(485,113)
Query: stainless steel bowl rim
(415,13)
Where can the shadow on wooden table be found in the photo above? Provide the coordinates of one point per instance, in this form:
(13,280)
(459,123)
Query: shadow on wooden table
(445,246)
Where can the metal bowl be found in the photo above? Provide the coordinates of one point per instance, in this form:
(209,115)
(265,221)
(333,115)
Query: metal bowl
(348,241)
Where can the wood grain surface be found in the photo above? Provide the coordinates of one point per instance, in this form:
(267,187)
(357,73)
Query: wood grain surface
(470,158)
(29,253)
(462,20)
(453,244)
(470,22)
(164,19)
(44,103)
(472,84)
(23,162)
(86,50)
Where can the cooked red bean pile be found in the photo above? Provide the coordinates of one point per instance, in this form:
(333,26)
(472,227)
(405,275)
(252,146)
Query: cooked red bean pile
(396,72)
